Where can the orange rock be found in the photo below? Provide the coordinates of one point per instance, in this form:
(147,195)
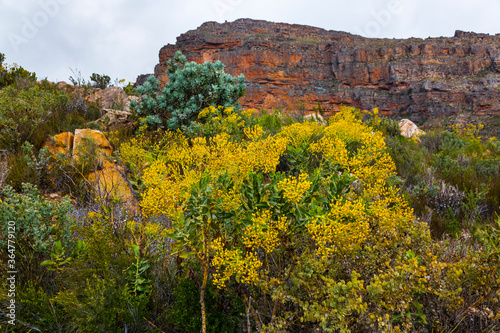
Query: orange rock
(107,179)
(110,183)
(93,142)
(60,144)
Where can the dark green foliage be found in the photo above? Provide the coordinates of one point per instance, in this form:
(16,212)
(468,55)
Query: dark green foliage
(191,88)
(224,309)
(22,112)
(100,281)
(100,81)
(13,74)
(270,122)
(40,110)
(28,116)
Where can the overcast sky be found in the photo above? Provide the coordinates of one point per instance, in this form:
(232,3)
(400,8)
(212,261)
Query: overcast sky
(121,38)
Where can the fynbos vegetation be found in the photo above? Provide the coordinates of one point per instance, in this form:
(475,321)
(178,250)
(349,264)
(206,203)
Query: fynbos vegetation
(245,221)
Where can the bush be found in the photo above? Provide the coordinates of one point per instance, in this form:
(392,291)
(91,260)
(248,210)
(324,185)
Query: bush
(191,88)
(38,224)
(224,309)
(39,110)
(129,89)
(326,244)
(22,112)
(100,81)
(13,74)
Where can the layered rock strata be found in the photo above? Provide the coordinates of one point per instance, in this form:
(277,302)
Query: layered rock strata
(296,67)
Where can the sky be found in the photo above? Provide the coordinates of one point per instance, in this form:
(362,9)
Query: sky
(121,38)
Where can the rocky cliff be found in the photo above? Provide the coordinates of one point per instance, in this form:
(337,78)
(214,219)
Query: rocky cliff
(296,66)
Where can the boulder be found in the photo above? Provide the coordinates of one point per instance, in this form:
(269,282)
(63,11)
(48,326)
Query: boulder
(107,179)
(60,144)
(111,98)
(316,117)
(409,129)
(110,183)
(91,141)
(114,119)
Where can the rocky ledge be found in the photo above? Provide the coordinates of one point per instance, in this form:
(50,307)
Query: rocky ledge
(295,66)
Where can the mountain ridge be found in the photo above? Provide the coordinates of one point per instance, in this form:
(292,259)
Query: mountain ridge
(289,66)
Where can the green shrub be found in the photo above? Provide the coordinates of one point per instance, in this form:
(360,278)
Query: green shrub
(13,74)
(100,81)
(22,112)
(270,122)
(129,89)
(224,308)
(40,110)
(191,88)
(38,224)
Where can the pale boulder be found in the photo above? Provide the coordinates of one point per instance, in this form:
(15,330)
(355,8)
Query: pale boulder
(316,117)
(409,129)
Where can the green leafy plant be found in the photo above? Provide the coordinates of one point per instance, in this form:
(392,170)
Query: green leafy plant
(191,88)
(130,89)
(38,224)
(13,74)
(224,308)
(100,81)
(139,286)
(21,113)
(57,258)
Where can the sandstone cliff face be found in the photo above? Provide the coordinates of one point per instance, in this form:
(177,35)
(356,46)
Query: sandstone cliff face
(289,65)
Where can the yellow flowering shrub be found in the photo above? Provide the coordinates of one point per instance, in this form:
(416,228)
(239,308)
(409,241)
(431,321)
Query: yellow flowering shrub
(357,149)
(264,232)
(344,228)
(301,133)
(233,263)
(294,189)
(304,217)
(216,120)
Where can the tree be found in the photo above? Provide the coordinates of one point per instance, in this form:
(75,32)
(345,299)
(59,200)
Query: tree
(191,88)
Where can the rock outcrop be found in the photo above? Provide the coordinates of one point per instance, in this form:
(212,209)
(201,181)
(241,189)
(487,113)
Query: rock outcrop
(409,129)
(93,142)
(107,178)
(114,119)
(60,144)
(110,98)
(286,64)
